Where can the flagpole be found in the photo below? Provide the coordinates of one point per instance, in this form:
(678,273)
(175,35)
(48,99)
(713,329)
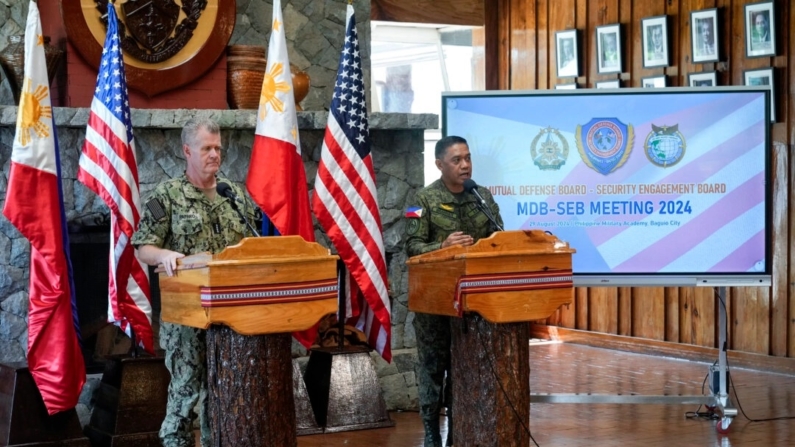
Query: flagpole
(342,308)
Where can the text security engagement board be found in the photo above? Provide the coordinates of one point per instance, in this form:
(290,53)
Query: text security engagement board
(663,187)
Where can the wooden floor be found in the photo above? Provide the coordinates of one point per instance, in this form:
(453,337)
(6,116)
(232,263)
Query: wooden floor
(570,368)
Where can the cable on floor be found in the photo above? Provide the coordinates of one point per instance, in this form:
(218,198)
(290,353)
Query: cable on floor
(711,414)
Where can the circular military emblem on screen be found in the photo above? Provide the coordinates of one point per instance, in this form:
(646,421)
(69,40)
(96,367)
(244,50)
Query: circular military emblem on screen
(665,145)
(549,149)
(604,143)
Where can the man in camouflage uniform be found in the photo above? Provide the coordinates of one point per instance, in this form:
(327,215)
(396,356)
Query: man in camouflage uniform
(185,216)
(444,215)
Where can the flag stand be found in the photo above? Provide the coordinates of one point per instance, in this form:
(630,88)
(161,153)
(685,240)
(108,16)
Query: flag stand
(337,376)
(23,417)
(130,402)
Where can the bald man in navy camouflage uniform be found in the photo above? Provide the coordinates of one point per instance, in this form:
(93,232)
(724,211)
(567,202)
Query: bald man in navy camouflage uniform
(444,215)
(185,216)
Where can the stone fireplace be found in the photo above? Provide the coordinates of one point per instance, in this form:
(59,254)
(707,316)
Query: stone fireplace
(397,141)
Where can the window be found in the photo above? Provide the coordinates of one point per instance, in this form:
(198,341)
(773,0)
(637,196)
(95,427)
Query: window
(412,64)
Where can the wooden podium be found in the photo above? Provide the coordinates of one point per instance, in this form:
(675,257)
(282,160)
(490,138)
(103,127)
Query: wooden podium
(495,286)
(251,297)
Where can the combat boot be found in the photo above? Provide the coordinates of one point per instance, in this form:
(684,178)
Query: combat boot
(433,437)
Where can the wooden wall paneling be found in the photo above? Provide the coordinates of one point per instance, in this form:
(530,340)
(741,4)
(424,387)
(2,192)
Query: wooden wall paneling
(671,10)
(562,16)
(498,46)
(581,23)
(544,45)
(731,38)
(686,304)
(648,312)
(671,313)
(778,291)
(743,322)
(781,130)
(704,317)
(762,317)
(526,52)
(629,45)
(568,314)
(603,310)
(625,311)
(786,47)
(581,307)
(454,12)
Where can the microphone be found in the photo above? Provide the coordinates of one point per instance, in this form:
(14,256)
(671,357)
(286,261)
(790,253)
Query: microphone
(471,187)
(224,190)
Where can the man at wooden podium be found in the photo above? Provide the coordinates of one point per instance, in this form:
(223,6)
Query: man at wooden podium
(185,216)
(444,215)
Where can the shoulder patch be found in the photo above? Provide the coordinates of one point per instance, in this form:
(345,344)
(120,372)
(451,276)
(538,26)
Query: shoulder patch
(413,226)
(156,208)
(414,212)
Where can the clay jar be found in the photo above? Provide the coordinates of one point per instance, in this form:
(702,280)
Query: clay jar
(12,60)
(245,72)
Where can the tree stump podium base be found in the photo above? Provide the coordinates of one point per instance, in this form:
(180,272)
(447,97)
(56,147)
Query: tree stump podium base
(250,387)
(23,417)
(491,382)
(334,379)
(130,403)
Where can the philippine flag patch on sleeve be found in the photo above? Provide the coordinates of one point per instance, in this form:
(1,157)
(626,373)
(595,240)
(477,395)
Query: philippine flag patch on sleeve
(414,212)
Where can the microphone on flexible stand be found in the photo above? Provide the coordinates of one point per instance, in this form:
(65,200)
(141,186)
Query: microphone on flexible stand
(224,190)
(471,187)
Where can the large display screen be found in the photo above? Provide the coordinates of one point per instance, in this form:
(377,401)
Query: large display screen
(651,187)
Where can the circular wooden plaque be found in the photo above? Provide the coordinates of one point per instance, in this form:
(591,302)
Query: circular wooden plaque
(86,33)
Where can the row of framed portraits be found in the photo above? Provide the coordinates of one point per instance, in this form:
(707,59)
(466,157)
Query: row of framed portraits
(762,76)
(760,40)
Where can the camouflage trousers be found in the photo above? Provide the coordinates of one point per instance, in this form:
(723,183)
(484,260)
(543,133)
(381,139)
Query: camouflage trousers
(186,360)
(433,372)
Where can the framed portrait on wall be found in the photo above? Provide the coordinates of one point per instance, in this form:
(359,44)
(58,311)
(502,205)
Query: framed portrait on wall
(653,82)
(763,76)
(704,35)
(608,48)
(567,56)
(655,41)
(565,86)
(615,83)
(704,79)
(760,30)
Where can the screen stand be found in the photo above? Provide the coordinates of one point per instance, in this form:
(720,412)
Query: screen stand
(718,401)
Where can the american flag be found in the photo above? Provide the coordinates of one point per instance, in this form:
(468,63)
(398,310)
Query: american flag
(345,195)
(109,168)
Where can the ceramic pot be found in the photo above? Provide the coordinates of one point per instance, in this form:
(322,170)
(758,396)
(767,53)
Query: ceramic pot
(12,61)
(245,71)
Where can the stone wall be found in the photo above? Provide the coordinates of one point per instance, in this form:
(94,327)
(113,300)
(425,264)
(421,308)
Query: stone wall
(397,146)
(314,31)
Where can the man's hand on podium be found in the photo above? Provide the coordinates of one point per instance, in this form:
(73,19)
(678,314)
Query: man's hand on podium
(458,238)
